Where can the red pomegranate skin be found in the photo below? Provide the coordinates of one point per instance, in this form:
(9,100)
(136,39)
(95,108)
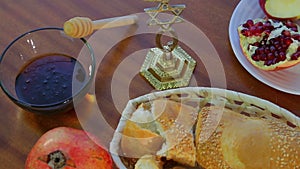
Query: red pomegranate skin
(78,149)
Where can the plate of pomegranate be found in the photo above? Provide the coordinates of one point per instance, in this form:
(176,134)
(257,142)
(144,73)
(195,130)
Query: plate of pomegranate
(265,37)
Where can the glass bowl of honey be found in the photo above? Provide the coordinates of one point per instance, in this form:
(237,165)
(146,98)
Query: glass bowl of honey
(45,71)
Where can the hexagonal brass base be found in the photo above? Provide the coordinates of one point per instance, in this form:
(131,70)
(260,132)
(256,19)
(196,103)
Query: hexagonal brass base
(165,73)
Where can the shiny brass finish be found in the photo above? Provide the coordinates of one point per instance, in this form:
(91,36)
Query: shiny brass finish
(166,70)
(164,6)
(167,66)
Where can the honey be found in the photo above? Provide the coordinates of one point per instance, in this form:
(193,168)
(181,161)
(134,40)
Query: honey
(49,79)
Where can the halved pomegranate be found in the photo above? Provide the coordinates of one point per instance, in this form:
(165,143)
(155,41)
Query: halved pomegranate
(270,44)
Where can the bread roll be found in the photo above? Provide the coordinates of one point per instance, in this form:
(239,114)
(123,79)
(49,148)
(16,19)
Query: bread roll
(148,162)
(139,137)
(241,142)
(165,132)
(175,122)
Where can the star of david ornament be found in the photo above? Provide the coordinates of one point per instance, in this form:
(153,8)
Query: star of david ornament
(167,66)
(164,6)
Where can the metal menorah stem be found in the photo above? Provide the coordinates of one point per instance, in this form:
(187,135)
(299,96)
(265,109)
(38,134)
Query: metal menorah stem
(167,66)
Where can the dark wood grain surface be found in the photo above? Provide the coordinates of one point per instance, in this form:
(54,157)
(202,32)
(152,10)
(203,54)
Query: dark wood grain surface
(19,130)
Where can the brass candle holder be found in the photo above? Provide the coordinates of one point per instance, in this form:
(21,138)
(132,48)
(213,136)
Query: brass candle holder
(167,66)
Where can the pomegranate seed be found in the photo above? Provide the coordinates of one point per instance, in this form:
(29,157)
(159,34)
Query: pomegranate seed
(267,49)
(288,41)
(267,23)
(275,60)
(281,54)
(290,24)
(277,44)
(281,39)
(268,32)
(252,29)
(258,24)
(260,50)
(257,44)
(269,27)
(295,56)
(281,57)
(270,56)
(295,29)
(276,54)
(245,25)
(298,49)
(296,37)
(286,33)
(280,49)
(268,62)
(246,33)
(272,49)
(263,57)
(250,22)
(260,29)
(255,57)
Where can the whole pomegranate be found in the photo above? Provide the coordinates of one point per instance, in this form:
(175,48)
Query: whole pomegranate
(67,148)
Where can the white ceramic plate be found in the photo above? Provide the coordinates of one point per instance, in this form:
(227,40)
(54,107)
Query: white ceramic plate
(287,80)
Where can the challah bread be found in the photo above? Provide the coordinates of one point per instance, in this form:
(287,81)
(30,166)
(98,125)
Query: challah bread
(168,133)
(241,142)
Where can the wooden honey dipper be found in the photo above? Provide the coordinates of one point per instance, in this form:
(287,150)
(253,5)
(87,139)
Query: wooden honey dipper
(79,27)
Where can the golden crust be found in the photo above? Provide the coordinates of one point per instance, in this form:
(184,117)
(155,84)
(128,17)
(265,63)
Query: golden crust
(241,142)
(208,139)
(184,151)
(170,113)
(285,145)
(176,121)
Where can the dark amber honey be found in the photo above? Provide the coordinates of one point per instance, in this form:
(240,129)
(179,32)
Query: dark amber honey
(49,79)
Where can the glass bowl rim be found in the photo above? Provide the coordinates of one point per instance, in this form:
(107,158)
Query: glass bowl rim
(64,101)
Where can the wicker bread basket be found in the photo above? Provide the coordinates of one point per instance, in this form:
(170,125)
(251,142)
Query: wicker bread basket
(200,97)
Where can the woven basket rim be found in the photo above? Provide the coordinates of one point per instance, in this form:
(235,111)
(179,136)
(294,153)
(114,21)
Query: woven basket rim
(266,106)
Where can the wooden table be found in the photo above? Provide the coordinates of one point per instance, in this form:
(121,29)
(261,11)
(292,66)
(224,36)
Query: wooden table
(20,130)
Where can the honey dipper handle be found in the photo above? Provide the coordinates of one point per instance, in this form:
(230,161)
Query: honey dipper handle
(79,27)
(114,22)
